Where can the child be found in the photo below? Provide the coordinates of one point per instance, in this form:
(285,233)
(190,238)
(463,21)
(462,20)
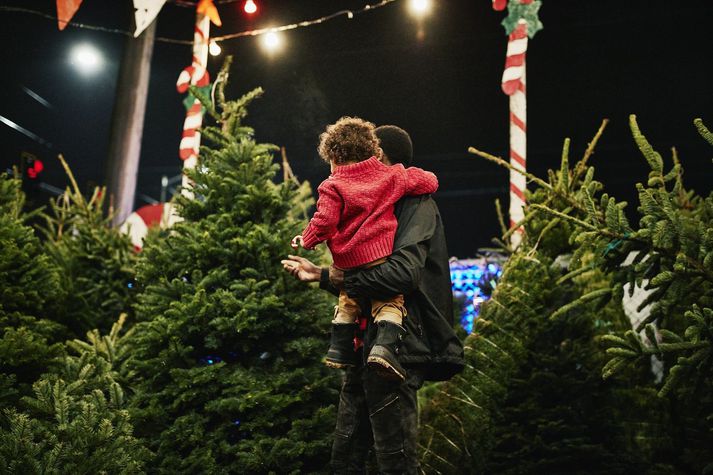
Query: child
(355,216)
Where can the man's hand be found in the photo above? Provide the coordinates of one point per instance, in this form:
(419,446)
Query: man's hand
(301,268)
(297,242)
(336,277)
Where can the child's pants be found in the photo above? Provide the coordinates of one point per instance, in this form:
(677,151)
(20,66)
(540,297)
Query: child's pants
(391,310)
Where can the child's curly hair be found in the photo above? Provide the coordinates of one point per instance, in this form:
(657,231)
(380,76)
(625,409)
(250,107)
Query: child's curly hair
(350,139)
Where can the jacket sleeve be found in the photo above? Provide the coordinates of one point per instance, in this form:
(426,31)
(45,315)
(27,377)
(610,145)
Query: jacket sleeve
(401,273)
(324,223)
(420,182)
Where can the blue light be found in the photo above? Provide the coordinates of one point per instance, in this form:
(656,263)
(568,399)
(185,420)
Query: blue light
(475,280)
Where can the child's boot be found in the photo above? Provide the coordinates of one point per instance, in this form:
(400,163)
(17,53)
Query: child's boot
(383,356)
(341,352)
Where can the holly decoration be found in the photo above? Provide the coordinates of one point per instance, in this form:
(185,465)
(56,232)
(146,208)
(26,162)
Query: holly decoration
(526,10)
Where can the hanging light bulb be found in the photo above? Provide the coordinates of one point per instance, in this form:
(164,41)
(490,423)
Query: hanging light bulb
(420,8)
(214,48)
(271,42)
(250,7)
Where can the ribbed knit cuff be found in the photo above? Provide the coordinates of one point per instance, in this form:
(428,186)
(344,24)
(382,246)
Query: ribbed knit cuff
(309,239)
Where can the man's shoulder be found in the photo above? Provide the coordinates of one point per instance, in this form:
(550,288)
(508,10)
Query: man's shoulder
(412,204)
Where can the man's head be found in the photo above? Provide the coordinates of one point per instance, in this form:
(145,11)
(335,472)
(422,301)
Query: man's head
(396,144)
(348,140)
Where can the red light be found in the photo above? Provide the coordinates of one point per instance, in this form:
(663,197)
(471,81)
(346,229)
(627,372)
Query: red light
(38,166)
(250,7)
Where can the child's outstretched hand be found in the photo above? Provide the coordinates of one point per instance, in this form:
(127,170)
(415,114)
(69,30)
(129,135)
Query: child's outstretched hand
(296,241)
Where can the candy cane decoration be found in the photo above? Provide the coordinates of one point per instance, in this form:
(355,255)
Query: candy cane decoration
(513,84)
(195,74)
(522,22)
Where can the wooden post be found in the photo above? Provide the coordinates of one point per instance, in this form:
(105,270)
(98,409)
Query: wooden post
(128,123)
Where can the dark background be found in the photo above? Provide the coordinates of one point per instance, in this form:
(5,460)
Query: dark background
(593,60)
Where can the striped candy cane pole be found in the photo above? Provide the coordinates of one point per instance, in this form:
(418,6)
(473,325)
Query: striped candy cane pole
(195,74)
(513,85)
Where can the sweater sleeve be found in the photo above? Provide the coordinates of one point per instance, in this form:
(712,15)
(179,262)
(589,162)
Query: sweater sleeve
(420,182)
(324,223)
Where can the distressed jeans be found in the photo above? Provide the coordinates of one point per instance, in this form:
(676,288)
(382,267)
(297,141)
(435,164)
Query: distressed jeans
(378,415)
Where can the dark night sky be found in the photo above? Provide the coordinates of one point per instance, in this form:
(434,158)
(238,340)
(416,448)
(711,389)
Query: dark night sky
(593,59)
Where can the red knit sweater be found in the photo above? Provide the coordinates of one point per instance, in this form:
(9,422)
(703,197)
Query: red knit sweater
(355,209)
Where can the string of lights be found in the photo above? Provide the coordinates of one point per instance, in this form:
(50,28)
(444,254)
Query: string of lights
(348,13)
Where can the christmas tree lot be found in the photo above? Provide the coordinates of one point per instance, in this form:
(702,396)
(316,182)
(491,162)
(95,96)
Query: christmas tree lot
(225,360)
(557,380)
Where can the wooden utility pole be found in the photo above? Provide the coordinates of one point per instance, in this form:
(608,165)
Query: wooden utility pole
(127,125)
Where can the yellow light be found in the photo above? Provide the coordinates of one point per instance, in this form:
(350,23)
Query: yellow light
(420,7)
(272,41)
(250,7)
(214,48)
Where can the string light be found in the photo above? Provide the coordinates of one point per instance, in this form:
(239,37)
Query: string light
(348,13)
(86,58)
(214,48)
(419,8)
(271,41)
(250,7)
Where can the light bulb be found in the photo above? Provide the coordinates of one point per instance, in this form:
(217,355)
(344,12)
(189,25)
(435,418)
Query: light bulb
(250,7)
(420,7)
(214,48)
(271,41)
(86,58)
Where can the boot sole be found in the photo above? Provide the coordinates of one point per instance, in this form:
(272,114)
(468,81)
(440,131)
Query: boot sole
(334,364)
(385,369)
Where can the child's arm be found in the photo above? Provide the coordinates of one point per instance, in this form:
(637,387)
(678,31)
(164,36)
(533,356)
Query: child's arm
(324,223)
(420,182)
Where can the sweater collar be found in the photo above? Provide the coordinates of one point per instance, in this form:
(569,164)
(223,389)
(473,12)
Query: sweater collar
(358,168)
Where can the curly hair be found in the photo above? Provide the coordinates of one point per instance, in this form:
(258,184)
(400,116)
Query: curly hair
(350,139)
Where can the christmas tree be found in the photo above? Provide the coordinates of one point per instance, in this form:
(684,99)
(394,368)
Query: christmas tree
(226,356)
(95,260)
(77,421)
(531,399)
(670,256)
(29,288)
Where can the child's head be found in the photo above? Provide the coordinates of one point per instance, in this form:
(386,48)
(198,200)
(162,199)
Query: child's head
(348,140)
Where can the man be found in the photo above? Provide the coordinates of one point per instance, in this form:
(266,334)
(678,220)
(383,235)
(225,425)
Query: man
(374,411)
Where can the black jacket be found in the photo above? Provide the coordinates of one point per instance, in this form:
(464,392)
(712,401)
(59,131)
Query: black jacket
(418,269)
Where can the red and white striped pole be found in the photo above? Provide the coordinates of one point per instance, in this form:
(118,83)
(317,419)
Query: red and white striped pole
(196,74)
(513,84)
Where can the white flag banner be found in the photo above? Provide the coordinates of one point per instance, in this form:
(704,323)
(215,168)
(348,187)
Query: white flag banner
(146,11)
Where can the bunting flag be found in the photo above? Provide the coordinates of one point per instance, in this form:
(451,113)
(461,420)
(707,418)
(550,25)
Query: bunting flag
(65,11)
(146,12)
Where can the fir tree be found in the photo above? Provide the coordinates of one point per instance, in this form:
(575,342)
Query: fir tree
(76,422)
(671,254)
(531,399)
(29,286)
(95,259)
(226,355)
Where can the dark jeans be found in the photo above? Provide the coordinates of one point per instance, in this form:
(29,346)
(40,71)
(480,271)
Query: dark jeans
(379,415)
